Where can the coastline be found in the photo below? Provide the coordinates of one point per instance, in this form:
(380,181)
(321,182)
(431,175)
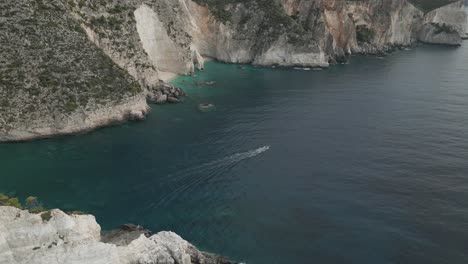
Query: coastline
(185,34)
(137,107)
(118,173)
(134,108)
(54,237)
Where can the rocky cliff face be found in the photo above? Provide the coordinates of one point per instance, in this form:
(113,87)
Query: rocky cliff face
(58,238)
(445,25)
(69,66)
(317,32)
(53,80)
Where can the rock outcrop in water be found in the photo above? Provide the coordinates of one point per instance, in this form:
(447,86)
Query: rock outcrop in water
(72,65)
(59,238)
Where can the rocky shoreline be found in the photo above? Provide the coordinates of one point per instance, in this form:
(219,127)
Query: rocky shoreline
(81,121)
(162,93)
(72,66)
(54,237)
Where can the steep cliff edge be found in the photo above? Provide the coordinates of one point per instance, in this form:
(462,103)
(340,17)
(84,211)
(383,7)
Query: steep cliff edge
(445,25)
(319,32)
(53,80)
(58,238)
(72,65)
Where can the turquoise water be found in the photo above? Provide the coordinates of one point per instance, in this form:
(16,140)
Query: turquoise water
(360,163)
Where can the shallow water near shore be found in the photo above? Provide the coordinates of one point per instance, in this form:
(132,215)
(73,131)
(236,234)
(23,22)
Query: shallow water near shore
(359,163)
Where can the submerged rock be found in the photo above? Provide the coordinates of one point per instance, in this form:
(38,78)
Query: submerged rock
(172,100)
(161,99)
(137,115)
(64,239)
(125,235)
(204,83)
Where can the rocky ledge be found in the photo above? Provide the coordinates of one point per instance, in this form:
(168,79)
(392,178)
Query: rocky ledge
(55,237)
(162,93)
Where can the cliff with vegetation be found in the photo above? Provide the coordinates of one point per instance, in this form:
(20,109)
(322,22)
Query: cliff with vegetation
(68,66)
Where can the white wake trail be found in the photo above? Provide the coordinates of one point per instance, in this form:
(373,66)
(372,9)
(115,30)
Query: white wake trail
(186,179)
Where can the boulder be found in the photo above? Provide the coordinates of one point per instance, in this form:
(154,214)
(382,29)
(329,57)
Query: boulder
(125,234)
(162,99)
(136,115)
(172,100)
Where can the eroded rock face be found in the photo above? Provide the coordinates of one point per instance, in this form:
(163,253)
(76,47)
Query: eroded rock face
(53,80)
(157,44)
(76,239)
(445,25)
(71,66)
(313,32)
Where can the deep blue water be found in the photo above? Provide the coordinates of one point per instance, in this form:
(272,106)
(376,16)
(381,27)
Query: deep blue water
(360,163)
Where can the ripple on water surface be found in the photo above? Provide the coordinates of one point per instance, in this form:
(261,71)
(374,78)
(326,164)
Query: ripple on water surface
(360,163)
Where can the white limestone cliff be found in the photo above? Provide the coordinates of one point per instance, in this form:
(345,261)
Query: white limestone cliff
(93,63)
(27,238)
(445,25)
(80,120)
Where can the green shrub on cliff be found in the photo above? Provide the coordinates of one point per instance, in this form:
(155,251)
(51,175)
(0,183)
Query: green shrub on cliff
(5,200)
(443,28)
(364,34)
(48,59)
(76,213)
(33,205)
(46,216)
(217,7)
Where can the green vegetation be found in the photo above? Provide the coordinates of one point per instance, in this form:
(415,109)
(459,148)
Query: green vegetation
(271,19)
(274,13)
(364,34)
(99,21)
(31,204)
(71,3)
(117,9)
(76,213)
(81,3)
(49,66)
(217,7)
(71,106)
(40,5)
(443,28)
(46,216)
(7,201)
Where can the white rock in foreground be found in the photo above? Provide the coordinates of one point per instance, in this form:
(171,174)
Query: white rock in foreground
(26,238)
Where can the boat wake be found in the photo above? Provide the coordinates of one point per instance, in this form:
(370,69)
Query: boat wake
(188,179)
(244,155)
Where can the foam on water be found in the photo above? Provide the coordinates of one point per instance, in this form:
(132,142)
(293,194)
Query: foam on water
(187,179)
